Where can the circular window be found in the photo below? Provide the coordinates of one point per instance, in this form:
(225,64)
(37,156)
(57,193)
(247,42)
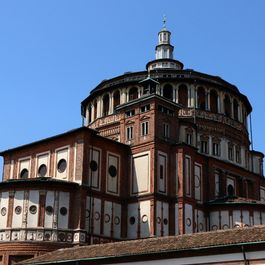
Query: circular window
(158,220)
(93,165)
(97,216)
(214,227)
(49,210)
(63,211)
(3,211)
(107,218)
(24,173)
(33,209)
(165,221)
(117,220)
(112,171)
(225,226)
(132,220)
(61,166)
(42,170)
(144,218)
(188,222)
(18,210)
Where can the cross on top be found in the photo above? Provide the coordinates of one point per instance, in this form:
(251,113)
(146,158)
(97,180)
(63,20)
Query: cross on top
(164,21)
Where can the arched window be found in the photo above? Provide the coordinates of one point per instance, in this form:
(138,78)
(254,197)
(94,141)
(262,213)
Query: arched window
(201,98)
(106,105)
(213,101)
(95,109)
(168,92)
(230,190)
(116,99)
(235,109)
(227,106)
(183,95)
(133,93)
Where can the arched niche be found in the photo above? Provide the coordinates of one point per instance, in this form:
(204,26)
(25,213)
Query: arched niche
(116,99)
(213,101)
(168,91)
(133,93)
(105,105)
(227,106)
(201,98)
(183,95)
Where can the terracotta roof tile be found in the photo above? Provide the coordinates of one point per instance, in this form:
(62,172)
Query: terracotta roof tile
(156,245)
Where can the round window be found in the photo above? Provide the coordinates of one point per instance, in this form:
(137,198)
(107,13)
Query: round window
(165,221)
(93,165)
(144,218)
(49,210)
(24,173)
(33,209)
(42,170)
(63,211)
(117,220)
(132,220)
(188,222)
(112,171)
(61,166)
(18,210)
(3,211)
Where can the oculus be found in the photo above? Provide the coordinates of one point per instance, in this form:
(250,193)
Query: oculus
(113,171)
(42,170)
(93,165)
(61,166)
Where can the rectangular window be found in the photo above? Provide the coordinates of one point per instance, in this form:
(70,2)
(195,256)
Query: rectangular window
(238,155)
(129,132)
(144,128)
(204,147)
(230,152)
(130,113)
(189,138)
(216,149)
(161,172)
(217,184)
(145,108)
(166,130)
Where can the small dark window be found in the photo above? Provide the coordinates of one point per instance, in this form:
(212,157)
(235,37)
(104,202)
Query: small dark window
(165,221)
(49,210)
(93,165)
(24,173)
(161,172)
(112,171)
(42,170)
(33,209)
(132,220)
(61,166)
(230,190)
(63,211)
(18,210)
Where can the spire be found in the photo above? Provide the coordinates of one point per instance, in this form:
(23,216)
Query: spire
(164,52)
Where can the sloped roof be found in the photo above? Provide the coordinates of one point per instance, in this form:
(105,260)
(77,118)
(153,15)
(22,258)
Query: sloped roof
(170,244)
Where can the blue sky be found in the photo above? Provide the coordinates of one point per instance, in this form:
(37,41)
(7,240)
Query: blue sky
(52,53)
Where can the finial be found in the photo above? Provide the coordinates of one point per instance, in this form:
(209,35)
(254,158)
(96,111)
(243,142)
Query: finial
(164,21)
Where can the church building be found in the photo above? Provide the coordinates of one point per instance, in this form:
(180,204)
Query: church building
(162,152)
